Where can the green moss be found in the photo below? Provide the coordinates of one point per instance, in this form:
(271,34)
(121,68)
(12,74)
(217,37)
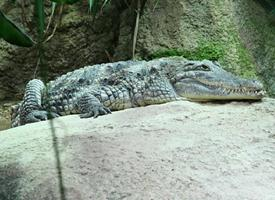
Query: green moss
(205,50)
(247,67)
(168,53)
(215,51)
(210,51)
(243,63)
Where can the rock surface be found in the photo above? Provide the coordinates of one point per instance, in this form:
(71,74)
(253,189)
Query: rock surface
(5,115)
(179,150)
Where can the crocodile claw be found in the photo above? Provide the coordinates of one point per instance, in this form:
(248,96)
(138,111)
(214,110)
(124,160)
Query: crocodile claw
(96,111)
(39,115)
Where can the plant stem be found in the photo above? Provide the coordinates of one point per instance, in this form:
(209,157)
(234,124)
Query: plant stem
(136,30)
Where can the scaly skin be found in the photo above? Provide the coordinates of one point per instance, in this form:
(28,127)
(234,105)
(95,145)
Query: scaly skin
(97,90)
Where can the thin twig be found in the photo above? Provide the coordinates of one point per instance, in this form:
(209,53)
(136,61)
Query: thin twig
(51,17)
(56,25)
(155,6)
(50,37)
(136,30)
(109,56)
(36,68)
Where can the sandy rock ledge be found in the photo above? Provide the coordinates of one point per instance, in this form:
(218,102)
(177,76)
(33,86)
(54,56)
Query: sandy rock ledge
(180,150)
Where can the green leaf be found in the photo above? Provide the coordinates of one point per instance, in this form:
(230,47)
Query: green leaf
(94,6)
(65,1)
(12,33)
(91,4)
(105,2)
(40,17)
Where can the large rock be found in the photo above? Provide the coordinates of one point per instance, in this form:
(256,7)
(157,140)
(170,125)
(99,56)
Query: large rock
(180,150)
(228,30)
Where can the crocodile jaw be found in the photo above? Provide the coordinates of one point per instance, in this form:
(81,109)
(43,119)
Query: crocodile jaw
(199,91)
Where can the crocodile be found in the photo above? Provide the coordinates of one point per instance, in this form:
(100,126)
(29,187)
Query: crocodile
(99,89)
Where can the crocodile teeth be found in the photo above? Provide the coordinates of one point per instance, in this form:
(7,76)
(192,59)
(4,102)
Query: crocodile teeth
(242,91)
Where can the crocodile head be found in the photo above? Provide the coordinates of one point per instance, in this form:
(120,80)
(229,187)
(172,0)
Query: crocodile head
(206,80)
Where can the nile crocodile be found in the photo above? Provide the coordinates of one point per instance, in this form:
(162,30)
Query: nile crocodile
(97,90)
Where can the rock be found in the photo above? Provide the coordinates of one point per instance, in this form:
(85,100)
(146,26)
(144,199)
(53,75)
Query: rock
(179,150)
(5,115)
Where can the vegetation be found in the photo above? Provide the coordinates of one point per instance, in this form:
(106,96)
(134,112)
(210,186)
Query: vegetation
(205,50)
(246,68)
(15,35)
(94,7)
(12,33)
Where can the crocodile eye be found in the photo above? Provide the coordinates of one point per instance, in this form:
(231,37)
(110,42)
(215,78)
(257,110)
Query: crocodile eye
(204,67)
(81,80)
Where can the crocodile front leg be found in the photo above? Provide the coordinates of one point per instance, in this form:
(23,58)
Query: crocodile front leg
(90,106)
(31,108)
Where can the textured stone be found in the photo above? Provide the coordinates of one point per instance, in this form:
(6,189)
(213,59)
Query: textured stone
(180,150)
(5,115)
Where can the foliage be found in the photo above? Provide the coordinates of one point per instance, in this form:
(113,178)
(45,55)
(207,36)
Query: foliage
(93,4)
(205,50)
(210,51)
(65,1)
(40,18)
(12,33)
(268,5)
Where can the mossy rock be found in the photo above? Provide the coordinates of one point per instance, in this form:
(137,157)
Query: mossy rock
(205,50)
(214,51)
